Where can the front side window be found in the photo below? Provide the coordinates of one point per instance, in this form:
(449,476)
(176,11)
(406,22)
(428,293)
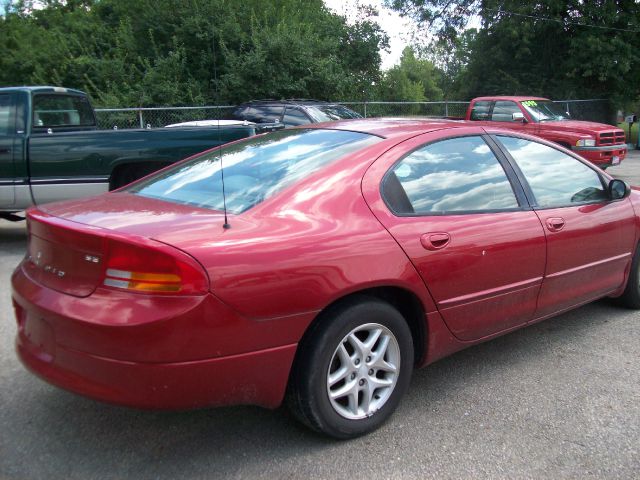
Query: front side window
(329,113)
(503,111)
(6,115)
(480,110)
(254,169)
(454,175)
(61,111)
(294,117)
(556,179)
(265,114)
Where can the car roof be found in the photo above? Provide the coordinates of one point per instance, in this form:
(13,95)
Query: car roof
(512,98)
(393,127)
(42,89)
(290,101)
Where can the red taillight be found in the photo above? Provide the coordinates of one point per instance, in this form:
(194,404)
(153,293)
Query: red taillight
(153,268)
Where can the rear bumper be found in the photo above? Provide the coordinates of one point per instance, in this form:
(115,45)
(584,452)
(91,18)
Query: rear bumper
(602,156)
(256,378)
(151,352)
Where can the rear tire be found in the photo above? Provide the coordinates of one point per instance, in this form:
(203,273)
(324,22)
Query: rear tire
(352,369)
(631,296)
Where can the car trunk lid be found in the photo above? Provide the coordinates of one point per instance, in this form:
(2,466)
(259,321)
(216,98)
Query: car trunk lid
(63,256)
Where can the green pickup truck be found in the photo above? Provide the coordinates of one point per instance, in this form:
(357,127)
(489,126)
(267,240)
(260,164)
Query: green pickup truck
(51,149)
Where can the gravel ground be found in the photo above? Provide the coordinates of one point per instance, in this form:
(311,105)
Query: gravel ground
(560,399)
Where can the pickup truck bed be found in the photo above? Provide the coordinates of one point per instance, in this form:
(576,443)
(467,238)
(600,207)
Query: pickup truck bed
(50,153)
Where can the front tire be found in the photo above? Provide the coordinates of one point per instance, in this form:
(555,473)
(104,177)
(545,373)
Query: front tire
(352,369)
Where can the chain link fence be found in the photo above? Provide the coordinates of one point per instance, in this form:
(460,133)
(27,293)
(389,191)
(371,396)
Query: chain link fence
(596,110)
(109,118)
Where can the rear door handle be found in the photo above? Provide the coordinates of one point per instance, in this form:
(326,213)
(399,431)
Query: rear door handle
(435,241)
(555,224)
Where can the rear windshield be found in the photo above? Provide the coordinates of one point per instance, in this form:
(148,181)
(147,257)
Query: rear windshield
(55,110)
(254,169)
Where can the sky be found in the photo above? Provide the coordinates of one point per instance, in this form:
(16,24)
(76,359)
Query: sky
(399,29)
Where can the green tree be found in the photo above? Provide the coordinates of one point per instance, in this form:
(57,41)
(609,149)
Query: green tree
(413,79)
(553,48)
(173,52)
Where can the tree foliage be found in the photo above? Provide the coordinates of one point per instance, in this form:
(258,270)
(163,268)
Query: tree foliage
(414,79)
(553,48)
(173,52)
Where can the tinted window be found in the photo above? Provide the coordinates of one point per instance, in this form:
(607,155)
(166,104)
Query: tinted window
(6,116)
(480,110)
(555,178)
(459,174)
(295,116)
(254,169)
(61,111)
(265,114)
(503,111)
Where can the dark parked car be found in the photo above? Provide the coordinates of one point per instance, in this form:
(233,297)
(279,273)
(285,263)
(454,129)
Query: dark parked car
(292,112)
(354,251)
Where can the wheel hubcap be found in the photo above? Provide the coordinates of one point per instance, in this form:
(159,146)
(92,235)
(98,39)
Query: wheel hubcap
(363,371)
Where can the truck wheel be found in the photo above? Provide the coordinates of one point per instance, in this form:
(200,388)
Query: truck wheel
(352,369)
(631,296)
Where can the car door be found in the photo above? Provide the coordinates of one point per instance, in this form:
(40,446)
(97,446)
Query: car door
(590,238)
(461,217)
(7,137)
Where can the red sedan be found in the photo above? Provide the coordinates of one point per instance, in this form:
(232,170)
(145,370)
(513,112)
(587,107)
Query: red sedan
(351,253)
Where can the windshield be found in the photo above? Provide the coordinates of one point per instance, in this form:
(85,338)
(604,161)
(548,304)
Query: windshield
(329,113)
(254,169)
(544,110)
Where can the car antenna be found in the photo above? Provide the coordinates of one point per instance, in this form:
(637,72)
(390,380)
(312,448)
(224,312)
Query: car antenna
(226,224)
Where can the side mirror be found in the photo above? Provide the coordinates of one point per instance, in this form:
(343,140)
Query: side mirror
(518,117)
(618,189)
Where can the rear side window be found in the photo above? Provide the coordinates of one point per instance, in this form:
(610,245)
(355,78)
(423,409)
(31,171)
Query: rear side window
(6,115)
(61,111)
(556,179)
(480,110)
(454,175)
(254,170)
(503,111)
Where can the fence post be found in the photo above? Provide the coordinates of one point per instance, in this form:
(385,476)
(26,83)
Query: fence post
(365,109)
(140,118)
(446,108)
(567,108)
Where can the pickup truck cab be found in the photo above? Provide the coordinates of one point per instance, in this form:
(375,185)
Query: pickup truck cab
(603,145)
(51,148)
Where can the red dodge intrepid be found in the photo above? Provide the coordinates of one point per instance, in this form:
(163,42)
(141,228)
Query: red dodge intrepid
(353,252)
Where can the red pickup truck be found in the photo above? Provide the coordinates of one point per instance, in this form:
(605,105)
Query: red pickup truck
(603,145)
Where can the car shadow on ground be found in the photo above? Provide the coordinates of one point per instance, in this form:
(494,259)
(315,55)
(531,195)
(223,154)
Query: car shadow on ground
(13,236)
(88,437)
